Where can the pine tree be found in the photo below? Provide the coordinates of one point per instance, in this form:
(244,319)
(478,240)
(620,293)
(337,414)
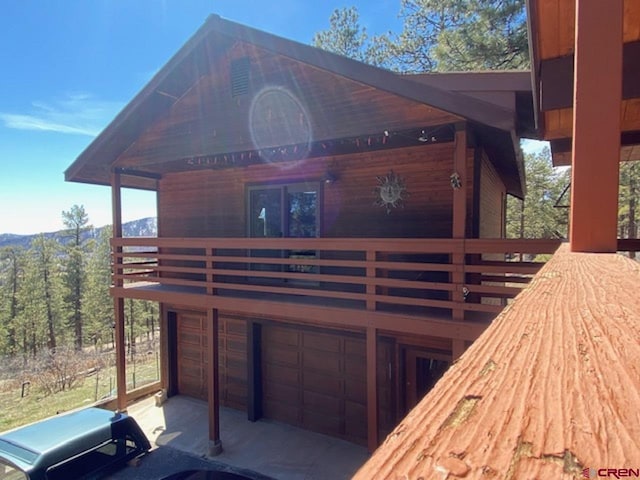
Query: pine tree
(11,273)
(629,196)
(76,221)
(40,298)
(538,216)
(437,35)
(97,304)
(347,37)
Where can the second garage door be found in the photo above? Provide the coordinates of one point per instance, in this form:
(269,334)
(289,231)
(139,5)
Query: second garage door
(315,379)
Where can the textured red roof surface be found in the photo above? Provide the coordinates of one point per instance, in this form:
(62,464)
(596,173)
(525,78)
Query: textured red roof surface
(552,387)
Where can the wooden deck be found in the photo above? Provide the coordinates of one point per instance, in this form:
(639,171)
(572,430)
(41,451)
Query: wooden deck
(552,387)
(457,286)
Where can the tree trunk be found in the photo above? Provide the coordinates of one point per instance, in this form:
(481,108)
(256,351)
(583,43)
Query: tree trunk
(51,340)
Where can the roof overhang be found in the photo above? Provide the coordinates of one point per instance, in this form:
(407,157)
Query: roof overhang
(551,43)
(218,38)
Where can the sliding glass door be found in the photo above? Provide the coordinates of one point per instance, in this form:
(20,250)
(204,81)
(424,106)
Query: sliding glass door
(290,210)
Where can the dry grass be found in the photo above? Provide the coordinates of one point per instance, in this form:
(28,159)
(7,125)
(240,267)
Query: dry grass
(37,404)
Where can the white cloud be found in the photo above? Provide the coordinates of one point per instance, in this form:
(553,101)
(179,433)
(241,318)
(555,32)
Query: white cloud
(76,113)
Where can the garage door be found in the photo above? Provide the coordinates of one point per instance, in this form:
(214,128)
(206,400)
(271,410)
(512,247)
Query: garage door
(192,358)
(315,379)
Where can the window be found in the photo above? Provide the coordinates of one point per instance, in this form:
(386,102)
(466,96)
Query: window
(284,211)
(290,210)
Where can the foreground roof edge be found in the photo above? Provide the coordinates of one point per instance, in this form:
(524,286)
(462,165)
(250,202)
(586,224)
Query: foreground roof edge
(456,103)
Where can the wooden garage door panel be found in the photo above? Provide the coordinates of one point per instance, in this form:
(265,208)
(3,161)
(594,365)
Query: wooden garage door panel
(286,394)
(232,326)
(285,413)
(355,347)
(322,342)
(322,404)
(356,390)
(236,368)
(322,423)
(281,356)
(356,368)
(280,336)
(327,362)
(317,382)
(192,320)
(281,374)
(192,358)
(355,427)
(308,380)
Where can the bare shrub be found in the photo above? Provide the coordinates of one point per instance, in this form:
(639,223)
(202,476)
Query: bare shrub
(62,369)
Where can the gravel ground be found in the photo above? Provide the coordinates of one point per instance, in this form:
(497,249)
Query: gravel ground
(164,461)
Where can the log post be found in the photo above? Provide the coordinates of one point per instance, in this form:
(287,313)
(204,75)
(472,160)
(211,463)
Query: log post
(597,99)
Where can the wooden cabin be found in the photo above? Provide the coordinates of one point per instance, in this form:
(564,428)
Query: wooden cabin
(551,389)
(330,234)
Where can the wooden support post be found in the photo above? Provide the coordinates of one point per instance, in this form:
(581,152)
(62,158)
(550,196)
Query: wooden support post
(121,366)
(459,220)
(164,349)
(458,346)
(215,445)
(596,126)
(371,274)
(372,389)
(210,254)
(118,302)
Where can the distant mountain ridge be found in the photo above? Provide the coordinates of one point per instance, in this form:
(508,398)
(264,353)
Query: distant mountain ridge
(144,227)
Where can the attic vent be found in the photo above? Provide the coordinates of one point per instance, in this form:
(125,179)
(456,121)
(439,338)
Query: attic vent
(239,76)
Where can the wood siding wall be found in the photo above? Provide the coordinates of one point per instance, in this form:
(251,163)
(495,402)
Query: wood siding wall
(492,201)
(212,203)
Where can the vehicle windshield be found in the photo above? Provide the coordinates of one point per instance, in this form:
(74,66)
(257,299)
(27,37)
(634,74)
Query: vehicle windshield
(9,472)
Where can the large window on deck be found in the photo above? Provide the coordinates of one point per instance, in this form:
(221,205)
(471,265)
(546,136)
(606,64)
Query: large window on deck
(290,210)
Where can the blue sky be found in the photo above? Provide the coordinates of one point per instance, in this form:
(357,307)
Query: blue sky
(68,68)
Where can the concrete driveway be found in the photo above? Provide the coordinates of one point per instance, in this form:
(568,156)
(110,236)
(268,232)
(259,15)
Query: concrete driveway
(267,448)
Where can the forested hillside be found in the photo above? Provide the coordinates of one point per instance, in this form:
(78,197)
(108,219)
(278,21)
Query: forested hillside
(54,289)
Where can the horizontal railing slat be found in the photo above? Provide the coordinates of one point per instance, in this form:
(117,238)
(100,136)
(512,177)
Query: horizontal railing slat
(377,273)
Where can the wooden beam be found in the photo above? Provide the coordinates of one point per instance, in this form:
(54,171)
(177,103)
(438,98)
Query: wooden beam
(121,365)
(330,317)
(459,220)
(116,203)
(596,126)
(556,78)
(372,388)
(118,301)
(213,396)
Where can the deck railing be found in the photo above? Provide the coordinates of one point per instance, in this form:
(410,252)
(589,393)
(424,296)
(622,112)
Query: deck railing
(474,276)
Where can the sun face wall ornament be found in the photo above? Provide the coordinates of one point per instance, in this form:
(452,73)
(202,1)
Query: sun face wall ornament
(390,192)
